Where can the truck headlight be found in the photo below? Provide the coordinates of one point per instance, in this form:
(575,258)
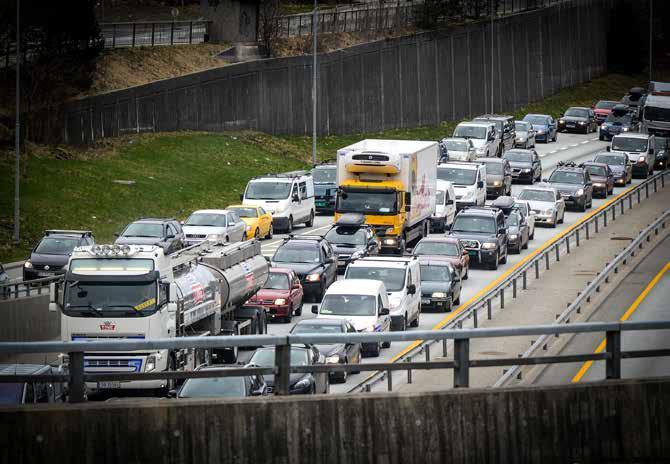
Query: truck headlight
(28,265)
(540,132)
(280,301)
(641,159)
(598,184)
(579,192)
(313,277)
(480,150)
(390,241)
(150,365)
(439,295)
(489,245)
(468,195)
(497,183)
(548,212)
(334,359)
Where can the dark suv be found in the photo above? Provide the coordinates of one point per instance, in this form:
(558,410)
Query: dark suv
(578,119)
(483,233)
(51,255)
(166,233)
(574,184)
(325,187)
(351,239)
(312,259)
(505,126)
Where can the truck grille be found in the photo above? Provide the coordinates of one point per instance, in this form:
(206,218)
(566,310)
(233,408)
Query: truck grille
(370,157)
(113,365)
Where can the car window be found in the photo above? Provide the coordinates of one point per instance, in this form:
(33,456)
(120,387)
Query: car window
(261,210)
(172,230)
(303,190)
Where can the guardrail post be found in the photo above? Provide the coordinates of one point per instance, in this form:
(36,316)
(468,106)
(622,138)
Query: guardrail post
(502,298)
(537,268)
(153,33)
(426,349)
(409,371)
(462,367)
(614,212)
(190,32)
(630,202)
(474,318)
(283,367)
(638,196)
(114,36)
(663,180)
(596,221)
(546,259)
(558,253)
(577,237)
(444,348)
(389,380)
(524,281)
(488,309)
(76,386)
(613,347)
(646,190)
(567,244)
(655,187)
(622,210)
(605,218)
(172,33)
(514,288)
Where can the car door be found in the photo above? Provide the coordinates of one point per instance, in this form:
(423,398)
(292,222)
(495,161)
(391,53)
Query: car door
(330,263)
(265,220)
(481,186)
(456,284)
(537,166)
(588,185)
(501,229)
(507,171)
(449,206)
(296,289)
(560,206)
(171,238)
(239,228)
(304,204)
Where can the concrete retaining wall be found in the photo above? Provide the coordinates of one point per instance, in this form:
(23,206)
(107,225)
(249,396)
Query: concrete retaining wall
(624,421)
(28,319)
(422,79)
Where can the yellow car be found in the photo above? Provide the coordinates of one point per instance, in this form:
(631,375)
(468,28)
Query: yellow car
(258,221)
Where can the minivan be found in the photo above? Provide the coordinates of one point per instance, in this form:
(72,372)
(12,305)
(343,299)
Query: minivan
(445,206)
(468,180)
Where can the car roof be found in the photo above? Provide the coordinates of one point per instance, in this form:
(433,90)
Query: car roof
(476,123)
(439,240)
(321,321)
(215,211)
(436,260)
(456,139)
(154,220)
(384,261)
(479,211)
(578,108)
(229,207)
(495,117)
(633,135)
(538,114)
(356,287)
(490,160)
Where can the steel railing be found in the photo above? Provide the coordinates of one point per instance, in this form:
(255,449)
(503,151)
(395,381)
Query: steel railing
(149,34)
(76,376)
(30,288)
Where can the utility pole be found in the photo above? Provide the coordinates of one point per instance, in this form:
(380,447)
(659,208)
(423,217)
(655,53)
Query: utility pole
(17,132)
(651,36)
(314,80)
(492,74)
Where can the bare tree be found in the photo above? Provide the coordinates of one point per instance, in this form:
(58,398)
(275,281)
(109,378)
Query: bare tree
(268,23)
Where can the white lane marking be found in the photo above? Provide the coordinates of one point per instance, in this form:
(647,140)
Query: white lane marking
(552,152)
(594,139)
(563,148)
(573,145)
(585,141)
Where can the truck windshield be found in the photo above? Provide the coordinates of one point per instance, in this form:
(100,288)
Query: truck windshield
(101,299)
(629,144)
(349,305)
(324,175)
(457,176)
(653,113)
(267,190)
(367,202)
(394,279)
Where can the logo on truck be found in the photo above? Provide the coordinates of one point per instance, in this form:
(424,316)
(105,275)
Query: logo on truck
(107,325)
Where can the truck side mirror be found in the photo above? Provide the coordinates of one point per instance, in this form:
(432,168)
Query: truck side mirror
(411,289)
(608,148)
(315,309)
(295,198)
(408,200)
(480,184)
(384,312)
(172,293)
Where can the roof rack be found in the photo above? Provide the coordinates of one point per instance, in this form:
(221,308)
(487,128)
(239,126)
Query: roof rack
(285,175)
(303,237)
(567,164)
(481,208)
(83,233)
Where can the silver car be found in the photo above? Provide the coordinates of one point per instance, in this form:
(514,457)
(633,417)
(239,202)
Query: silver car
(460,149)
(525,135)
(527,211)
(546,203)
(214,225)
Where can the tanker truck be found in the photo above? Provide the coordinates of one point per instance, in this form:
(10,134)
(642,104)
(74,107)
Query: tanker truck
(139,292)
(391,182)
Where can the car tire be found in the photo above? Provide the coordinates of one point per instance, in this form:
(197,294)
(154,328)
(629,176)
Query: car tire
(504,259)
(494,265)
(555,137)
(374,352)
(298,312)
(554,222)
(403,327)
(257,234)
(270,233)
(386,345)
(457,301)
(289,318)
(600,137)
(525,247)
(417,321)
(310,222)
(467,273)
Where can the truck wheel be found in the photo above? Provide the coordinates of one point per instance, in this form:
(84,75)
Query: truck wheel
(374,352)
(310,222)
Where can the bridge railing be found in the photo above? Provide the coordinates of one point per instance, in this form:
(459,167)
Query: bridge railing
(29,288)
(76,376)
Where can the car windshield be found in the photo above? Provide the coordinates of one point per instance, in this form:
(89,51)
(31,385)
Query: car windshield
(367,202)
(349,305)
(518,156)
(206,219)
(56,246)
(654,113)
(393,278)
(297,253)
(599,171)
(494,168)
(435,248)
(276,281)
(577,113)
(611,160)
(324,175)
(521,127)
(470,132)
(567,177)
(661,143)
(435,273)
(537,195)
(457,176)
(317,328)
(621,143)
(262,190)
(606,105)
(143,229)
(266,357)
(346,236)
(476,224)
(439,197)
(537,120)
(99,299)
(457,145)
(11,393)
(216,386)
(246,212)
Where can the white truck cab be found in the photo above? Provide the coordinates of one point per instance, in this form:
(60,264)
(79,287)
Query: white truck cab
(362,302)
(289,197)
(468,180)
(402,280)
(445,207)
(640,151)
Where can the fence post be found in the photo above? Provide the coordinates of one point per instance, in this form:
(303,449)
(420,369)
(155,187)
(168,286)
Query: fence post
(76,384)
(153,33)
(462,358)
(172,33)
(613,347)
(133,34)
(283,366)
(190,32)
(113,35)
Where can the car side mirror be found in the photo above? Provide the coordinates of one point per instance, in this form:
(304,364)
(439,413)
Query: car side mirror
(172,393)
(315,309)
(384,312)
(169,236)
(545,180)
(411,289)
(502,230)
(608,148)
(296,198)
(651,151)
(480,184)
(450,202)
(241,196)
(465,253)
(117,234)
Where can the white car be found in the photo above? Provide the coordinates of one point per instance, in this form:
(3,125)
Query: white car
(289,197)
(402,280)
(468,179)
(546,202)
(528,212)
(460,149)
(483,135)
(445,207)
(525,135)
(362,302)
(215,225)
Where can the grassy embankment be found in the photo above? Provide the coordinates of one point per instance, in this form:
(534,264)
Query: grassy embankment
(175,174)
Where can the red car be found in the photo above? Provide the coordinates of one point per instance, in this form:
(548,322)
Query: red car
(602,109)
(281,296)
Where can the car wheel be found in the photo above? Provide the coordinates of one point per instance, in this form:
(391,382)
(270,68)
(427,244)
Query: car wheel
(532,236)
(386,345)
(343,379)
(288,318)
(554,222)
(467,273)
(298,311)
(403,327)
(270,233)
(257,234)
(555,137)
(417,321)
(289,227)
(493,266)
(457,301)
(310,223)
(504,259)
(582,208)
(600,137)
(525,245)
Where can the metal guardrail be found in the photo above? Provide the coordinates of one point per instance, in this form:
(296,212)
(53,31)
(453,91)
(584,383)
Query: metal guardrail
(592,288)
(76,377)
(149,34)
(564,243)
(30,288)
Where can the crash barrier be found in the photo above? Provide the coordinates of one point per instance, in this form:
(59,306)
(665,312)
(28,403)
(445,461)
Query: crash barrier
(33,288)
(76,376)
(518,277)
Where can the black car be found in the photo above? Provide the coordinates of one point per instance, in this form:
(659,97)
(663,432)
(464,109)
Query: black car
(312,259)
(526,165)
(52,253)
(221,387)
(578,119)
(483,233)
(299,383)
(662,148)
(325,187)
(574,184)
(440,284)
(518,232)
(619,120)
(162,232)
(505,127)
(334,353)
(352,239)
(16,393)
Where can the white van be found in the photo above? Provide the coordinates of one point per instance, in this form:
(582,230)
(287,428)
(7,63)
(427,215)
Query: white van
(402,279)
(445,207)
(289,197)
(362,302)
(468,179)
(483,135)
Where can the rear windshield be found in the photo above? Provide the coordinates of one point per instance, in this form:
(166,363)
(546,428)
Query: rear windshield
(434,273)
(476,224)
(518,156)
(537,195)
(606,105)
(470,132)
(567,177)
(597,171)
(611,160)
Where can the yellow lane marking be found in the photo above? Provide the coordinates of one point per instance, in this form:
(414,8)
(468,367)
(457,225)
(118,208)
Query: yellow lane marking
(587,365)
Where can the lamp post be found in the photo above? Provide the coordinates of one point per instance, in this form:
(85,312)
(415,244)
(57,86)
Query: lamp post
(17,132)
(651,36)
(314,80)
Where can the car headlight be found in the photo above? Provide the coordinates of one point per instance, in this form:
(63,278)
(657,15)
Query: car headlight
(304,383)
(358,254)
(439,295)
(497,183)
(641,159)
(150,365)
(625,129)
(598,184)
(526,170)
(280,301)
(521,139)
(28,265)
(489,245)
(604,126)
(540,131)
(579,192)
(334,359)
(513,236)
(581,123)
(548,212)
(313,277)
(560,121)
(213,237)
(468,195)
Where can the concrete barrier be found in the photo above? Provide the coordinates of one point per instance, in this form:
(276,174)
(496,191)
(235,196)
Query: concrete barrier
(28,319)
(622,421)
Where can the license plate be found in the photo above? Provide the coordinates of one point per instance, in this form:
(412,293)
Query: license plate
(45,274)
(109,385)
(320,203)
(472,252)
(425,301)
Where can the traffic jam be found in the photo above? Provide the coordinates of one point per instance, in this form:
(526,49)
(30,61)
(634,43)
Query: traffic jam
(391,235)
